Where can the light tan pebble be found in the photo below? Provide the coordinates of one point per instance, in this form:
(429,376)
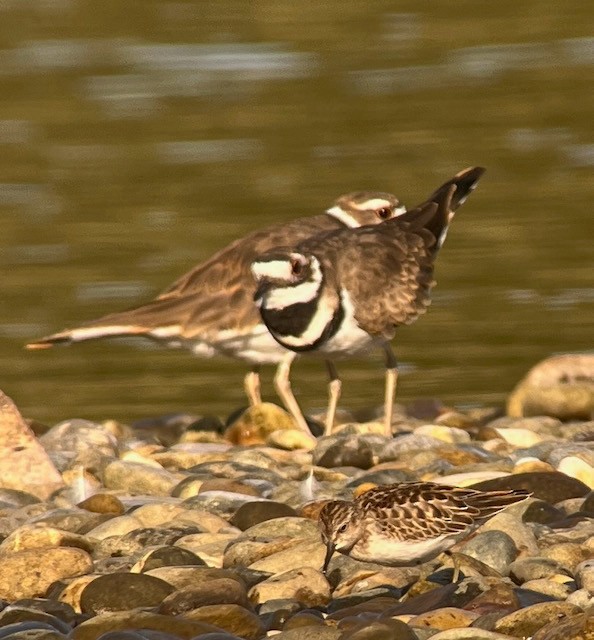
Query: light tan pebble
(71,593)
(528,465)
(469,478)
(178,458)
(256,423)
(191,576)
(308,553)
(445,618)
(140,479)
(521,438)
(361,428)
(577,468)
(447,434)
(209,547)
(28,574)
(156,514)
(551,588)
(290,440)
(117,526)
(528,620)
(567,554)
(135,457)
(521,534)
(39,536)
(306,585)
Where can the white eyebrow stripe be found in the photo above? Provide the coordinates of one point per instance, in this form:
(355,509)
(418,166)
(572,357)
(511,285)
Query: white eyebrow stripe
(373,203)
(280,269)
(343,216)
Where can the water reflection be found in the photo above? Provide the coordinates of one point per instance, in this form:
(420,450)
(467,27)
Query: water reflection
(137,138)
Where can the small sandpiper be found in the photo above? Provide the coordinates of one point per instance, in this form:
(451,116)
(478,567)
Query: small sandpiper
(408,523)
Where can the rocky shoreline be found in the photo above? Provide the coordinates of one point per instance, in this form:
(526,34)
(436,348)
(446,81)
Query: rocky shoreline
(168,529)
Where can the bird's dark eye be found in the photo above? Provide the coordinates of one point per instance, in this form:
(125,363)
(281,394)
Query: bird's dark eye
(342,528)
(384,213)
(296,267)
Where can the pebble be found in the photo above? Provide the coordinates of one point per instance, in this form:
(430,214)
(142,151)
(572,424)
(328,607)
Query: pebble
(215,537)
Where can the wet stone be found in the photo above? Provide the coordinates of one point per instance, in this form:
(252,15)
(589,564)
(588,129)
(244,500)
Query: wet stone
(552,487)
(103,503)
(28,574)
(495,548)
(230,617)
(526,622)
(533,568)
(252,513)
(305,585)
(166,556)
(140,478)
(382,629)
(221,503)
(14,613)
(138,539)
(217,591)
(123,591)
(124,620)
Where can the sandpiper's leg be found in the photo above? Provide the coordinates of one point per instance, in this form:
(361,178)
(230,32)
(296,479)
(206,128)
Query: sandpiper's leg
(455,563)
(282,384)
(251,384)
(334,388)
(391,380)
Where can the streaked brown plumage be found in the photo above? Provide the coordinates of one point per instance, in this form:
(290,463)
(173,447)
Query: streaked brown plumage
(408,523)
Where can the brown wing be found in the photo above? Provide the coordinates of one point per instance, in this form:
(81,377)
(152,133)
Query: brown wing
(214,296)
(389,276)
(422,510)
(230,267)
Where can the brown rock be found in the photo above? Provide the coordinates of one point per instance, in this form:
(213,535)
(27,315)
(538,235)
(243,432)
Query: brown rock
(445,618)
(573,627)
(231,617)
(40,536)
(98,625)
(217,591)
(256,423)
(103,503)
(122,592)
(306,585)
(24,464)
(560,386)
(28,574)
(526,622)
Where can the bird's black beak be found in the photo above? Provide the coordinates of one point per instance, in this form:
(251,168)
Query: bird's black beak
(329,553)
(260,291)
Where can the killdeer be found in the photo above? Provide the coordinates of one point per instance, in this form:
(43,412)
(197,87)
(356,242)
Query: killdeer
(210,310)
(339,293)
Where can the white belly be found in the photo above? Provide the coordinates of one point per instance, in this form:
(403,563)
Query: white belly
(350,339)
(397,553)
(256,346)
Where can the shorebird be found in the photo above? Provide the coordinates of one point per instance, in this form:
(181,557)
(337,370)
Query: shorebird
(340,293)
(210,310)
(409,523)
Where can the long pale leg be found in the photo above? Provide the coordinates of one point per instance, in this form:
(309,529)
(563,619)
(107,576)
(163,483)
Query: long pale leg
(282,384)
(334,388)
(251,384)
(391,380)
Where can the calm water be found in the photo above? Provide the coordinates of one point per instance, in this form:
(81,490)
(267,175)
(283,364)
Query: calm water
(137,137)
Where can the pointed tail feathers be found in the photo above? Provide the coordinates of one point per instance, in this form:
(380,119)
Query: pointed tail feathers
(150,320)
(465,182)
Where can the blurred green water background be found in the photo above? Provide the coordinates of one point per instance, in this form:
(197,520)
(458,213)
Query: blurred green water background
(137,137)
